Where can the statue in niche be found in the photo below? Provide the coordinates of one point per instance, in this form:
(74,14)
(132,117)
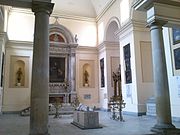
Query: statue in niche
(86,80)
(19,75)
(76,38)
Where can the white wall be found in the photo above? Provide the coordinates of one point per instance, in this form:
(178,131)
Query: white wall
(129,91)
(102,23)
(20,25)
(144,81)
(103,93)
(174,81)
(136,93)
(132,30)
(16,98)
(86,30)
(87,55)
(107,50)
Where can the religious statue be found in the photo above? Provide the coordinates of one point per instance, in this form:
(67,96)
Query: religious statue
(56,39)
(86,76)
(76,38)
(19,75)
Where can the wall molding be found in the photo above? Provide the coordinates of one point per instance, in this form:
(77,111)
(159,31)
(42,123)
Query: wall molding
(14,44)
(104,10)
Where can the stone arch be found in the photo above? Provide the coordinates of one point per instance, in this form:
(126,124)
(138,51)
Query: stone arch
(64,34)
(112,26)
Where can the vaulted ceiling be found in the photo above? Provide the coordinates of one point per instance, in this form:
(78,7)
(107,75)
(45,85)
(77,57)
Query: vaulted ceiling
(85,8)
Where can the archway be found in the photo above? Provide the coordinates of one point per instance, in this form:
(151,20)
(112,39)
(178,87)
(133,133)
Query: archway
(111,59)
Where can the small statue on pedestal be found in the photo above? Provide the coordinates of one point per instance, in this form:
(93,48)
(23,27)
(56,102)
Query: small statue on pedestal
(57,106)
(86,78)
(19,74)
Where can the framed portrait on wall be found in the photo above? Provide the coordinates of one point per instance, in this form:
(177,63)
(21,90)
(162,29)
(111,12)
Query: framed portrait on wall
(57,69)
(127,61)
(175,50)
(102,72)
(176,35)
(177,58)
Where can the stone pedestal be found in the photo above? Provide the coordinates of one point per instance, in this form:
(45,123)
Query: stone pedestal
(86,120)
(151,107)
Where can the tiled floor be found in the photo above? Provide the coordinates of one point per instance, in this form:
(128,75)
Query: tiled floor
(13,124)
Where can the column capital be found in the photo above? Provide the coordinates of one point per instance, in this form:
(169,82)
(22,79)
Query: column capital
(39,6)
(156,23)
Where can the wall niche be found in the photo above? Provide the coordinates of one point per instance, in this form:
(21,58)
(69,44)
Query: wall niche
(86,74)
(19,71)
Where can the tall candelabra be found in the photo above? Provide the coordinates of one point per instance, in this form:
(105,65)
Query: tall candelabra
(116,102)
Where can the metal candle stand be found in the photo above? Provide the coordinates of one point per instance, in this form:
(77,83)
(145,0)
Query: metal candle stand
(116,106)
(57,106)
(116,102)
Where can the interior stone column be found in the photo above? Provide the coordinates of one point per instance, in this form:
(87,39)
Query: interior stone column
(40,69)
(73,67)
(161,87)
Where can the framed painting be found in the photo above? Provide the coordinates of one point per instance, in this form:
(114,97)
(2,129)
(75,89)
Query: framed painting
(175,49)
(176,35)
(57,69)
(127,61)
(177,58)
(102,72)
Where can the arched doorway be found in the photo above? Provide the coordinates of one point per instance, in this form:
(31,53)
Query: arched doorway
(111,60)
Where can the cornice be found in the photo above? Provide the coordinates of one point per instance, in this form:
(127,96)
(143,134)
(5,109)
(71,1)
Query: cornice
(59,15)
(87,49)
(132,25)
(108,45)
(164,13)
(63,45)
(19,45)
(73,17)
(104,10)
(144,5)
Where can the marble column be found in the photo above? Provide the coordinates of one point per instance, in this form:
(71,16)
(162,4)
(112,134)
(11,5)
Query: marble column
(40,69)
(161,87)
(73,67)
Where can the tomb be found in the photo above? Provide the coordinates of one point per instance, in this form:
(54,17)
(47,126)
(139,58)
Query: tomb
(86,119)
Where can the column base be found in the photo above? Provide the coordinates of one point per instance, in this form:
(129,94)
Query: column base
(165,129)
